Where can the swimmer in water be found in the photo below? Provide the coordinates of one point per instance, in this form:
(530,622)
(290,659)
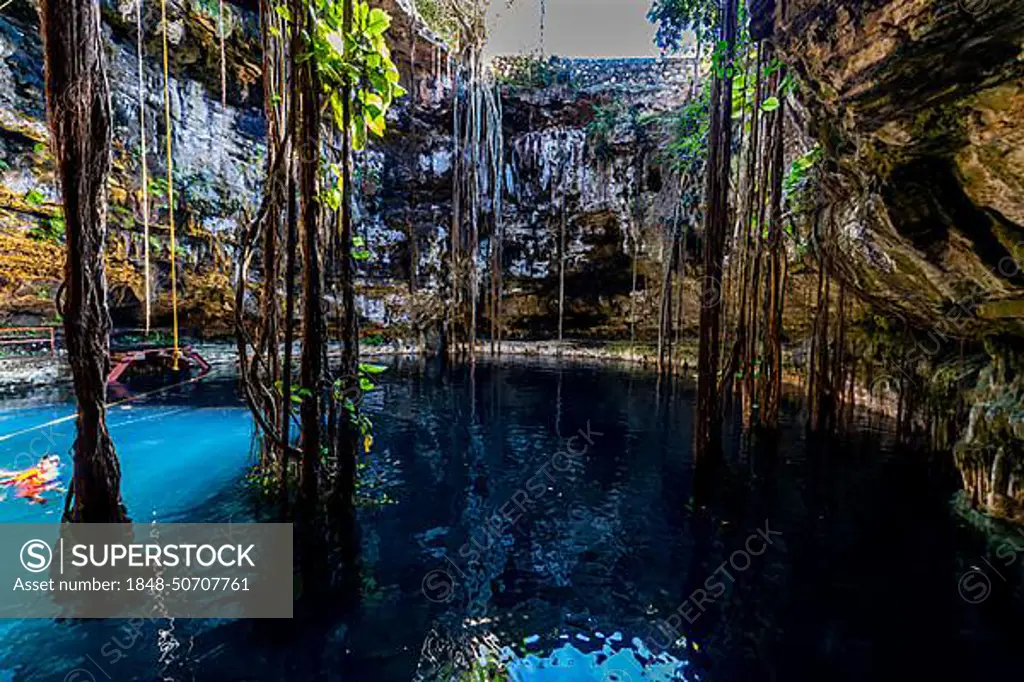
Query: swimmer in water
(31,483)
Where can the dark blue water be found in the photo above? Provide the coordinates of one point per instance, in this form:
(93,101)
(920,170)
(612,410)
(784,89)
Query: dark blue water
(488,545)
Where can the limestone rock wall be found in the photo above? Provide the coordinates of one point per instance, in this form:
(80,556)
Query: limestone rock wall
(583,135)
(918,104)
(218,160)
(617,197)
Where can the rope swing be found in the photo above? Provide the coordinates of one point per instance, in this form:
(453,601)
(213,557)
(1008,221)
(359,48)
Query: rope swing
(223,57)
(170,184)
(142,160)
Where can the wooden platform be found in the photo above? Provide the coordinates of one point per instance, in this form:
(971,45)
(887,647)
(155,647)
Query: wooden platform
(153,357)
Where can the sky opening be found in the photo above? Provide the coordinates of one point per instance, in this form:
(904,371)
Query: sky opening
(572,28)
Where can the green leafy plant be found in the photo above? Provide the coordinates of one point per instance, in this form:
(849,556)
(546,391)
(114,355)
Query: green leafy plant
(688,143)
(121,216)
(157,187)
(350,400)
(297,394)
(674,17)
(600,129)
(359,59)
(49,229)
(796,177)
(721,64)
(788,84)
(744,90)
(360,252)
(35,197)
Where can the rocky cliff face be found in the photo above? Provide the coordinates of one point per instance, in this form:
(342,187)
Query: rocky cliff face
(218,159)
(578,134)
(919,105)
(579,137)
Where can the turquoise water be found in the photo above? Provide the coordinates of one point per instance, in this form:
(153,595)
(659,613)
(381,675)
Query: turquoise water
(174,457)
(610,663)
(861,583)
(179,450)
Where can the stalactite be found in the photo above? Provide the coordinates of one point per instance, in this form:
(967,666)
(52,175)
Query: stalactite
(665,307)
(498,206)
(455,251)
(681,286)
(839,353)
(476,191)
(633,230)
(820,394)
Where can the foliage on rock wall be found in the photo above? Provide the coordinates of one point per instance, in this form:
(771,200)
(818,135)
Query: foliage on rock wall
(528,71)
(27,260)
(687,148)
(438,17)
(601,129)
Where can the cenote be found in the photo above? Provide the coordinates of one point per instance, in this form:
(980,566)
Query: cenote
(838,560)
(512,340)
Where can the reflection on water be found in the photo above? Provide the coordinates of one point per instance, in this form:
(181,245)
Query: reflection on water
(549,525)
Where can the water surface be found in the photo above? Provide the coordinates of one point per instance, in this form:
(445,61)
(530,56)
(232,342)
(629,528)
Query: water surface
(488,541)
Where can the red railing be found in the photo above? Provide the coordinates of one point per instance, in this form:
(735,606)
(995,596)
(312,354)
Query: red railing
(40,335)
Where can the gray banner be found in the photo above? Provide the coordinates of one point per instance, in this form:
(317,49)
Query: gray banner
(159,570)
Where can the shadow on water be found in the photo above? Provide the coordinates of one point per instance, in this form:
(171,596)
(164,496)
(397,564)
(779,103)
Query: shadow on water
(547,518)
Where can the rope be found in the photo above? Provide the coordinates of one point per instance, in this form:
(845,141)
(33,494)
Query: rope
(223,58)
(170,185)
(142,159)
(61,420)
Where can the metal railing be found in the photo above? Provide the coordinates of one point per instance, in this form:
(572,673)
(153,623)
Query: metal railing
(15,336)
